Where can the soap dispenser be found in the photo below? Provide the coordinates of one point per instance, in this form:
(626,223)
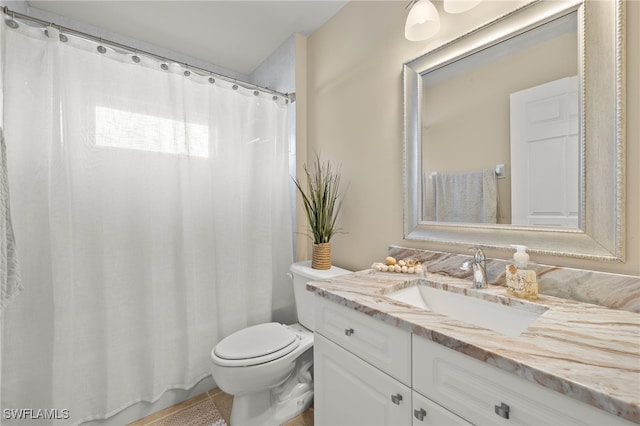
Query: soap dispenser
(521,279)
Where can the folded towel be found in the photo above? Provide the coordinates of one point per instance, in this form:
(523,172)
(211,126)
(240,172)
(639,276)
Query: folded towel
(10,282)
(463,197)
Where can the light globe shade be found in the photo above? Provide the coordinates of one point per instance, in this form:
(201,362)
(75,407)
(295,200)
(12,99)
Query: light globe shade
(423,21)
(459,6)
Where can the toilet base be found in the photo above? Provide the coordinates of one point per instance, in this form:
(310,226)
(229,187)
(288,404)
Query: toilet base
(252,410)
(277,405)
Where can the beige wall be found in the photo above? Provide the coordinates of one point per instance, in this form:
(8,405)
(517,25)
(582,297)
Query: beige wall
(354,117)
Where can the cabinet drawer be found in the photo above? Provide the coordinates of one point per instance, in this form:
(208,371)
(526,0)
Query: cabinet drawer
(427,412)
(477,391)
(350,392)
(382,345)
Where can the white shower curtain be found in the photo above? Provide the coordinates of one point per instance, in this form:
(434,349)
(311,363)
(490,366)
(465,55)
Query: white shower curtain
(151,214)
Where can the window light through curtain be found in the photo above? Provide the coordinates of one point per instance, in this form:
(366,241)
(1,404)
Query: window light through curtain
(130,130)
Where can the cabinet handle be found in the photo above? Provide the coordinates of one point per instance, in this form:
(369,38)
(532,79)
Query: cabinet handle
(419,414)
(348,331)
(396,398)
(502,410)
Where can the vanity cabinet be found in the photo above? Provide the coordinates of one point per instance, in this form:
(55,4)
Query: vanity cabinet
(351,392)
(362,369)
(484,394)
(368,373)
(362,373)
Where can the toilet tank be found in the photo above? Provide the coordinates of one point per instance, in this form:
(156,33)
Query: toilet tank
(301,273)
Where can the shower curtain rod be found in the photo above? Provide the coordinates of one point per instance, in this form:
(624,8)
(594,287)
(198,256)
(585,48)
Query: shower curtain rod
(10,13)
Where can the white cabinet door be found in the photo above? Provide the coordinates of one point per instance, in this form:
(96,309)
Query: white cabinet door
(348,391)
(427,412)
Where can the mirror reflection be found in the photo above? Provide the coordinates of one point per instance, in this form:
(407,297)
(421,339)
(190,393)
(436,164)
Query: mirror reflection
(500,133)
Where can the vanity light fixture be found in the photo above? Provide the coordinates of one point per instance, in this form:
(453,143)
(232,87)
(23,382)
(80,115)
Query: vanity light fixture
(423,21)
(459,6)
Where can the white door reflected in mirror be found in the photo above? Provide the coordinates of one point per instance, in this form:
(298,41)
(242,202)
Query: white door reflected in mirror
(545,159)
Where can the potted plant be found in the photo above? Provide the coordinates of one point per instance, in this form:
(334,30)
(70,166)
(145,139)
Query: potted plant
(322,203)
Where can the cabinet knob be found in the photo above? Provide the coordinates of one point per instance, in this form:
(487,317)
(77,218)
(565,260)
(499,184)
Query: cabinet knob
(502,410)
(348,331)
(396,398)
(419,414)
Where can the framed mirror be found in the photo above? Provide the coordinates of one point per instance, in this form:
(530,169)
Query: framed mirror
(471,111)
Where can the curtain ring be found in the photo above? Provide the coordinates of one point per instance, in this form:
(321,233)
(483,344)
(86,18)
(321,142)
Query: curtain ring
(11,21)
(101,48)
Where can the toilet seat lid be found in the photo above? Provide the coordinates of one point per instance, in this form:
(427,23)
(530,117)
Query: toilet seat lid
(257,344)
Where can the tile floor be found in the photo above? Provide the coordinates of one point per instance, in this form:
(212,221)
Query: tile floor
(221,400)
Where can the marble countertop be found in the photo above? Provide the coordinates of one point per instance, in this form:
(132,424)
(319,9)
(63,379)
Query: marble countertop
(588,352)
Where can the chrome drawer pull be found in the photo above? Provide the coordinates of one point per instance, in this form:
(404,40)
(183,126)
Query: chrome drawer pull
(396,398)
(348,331)
(502,410)
(419,414)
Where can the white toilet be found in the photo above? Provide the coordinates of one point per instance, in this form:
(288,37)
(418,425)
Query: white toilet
(268,367)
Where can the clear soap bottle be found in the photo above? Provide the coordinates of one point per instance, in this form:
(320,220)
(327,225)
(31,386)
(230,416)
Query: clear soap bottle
(521,279)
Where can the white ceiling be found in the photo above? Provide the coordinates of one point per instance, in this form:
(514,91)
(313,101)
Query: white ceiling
(237,35)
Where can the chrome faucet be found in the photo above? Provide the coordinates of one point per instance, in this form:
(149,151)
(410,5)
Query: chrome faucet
(479,268)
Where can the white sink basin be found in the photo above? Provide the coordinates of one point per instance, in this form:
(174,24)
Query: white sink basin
(507,320)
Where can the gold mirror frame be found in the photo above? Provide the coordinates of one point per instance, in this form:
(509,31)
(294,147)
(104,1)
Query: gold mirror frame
(601,45)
